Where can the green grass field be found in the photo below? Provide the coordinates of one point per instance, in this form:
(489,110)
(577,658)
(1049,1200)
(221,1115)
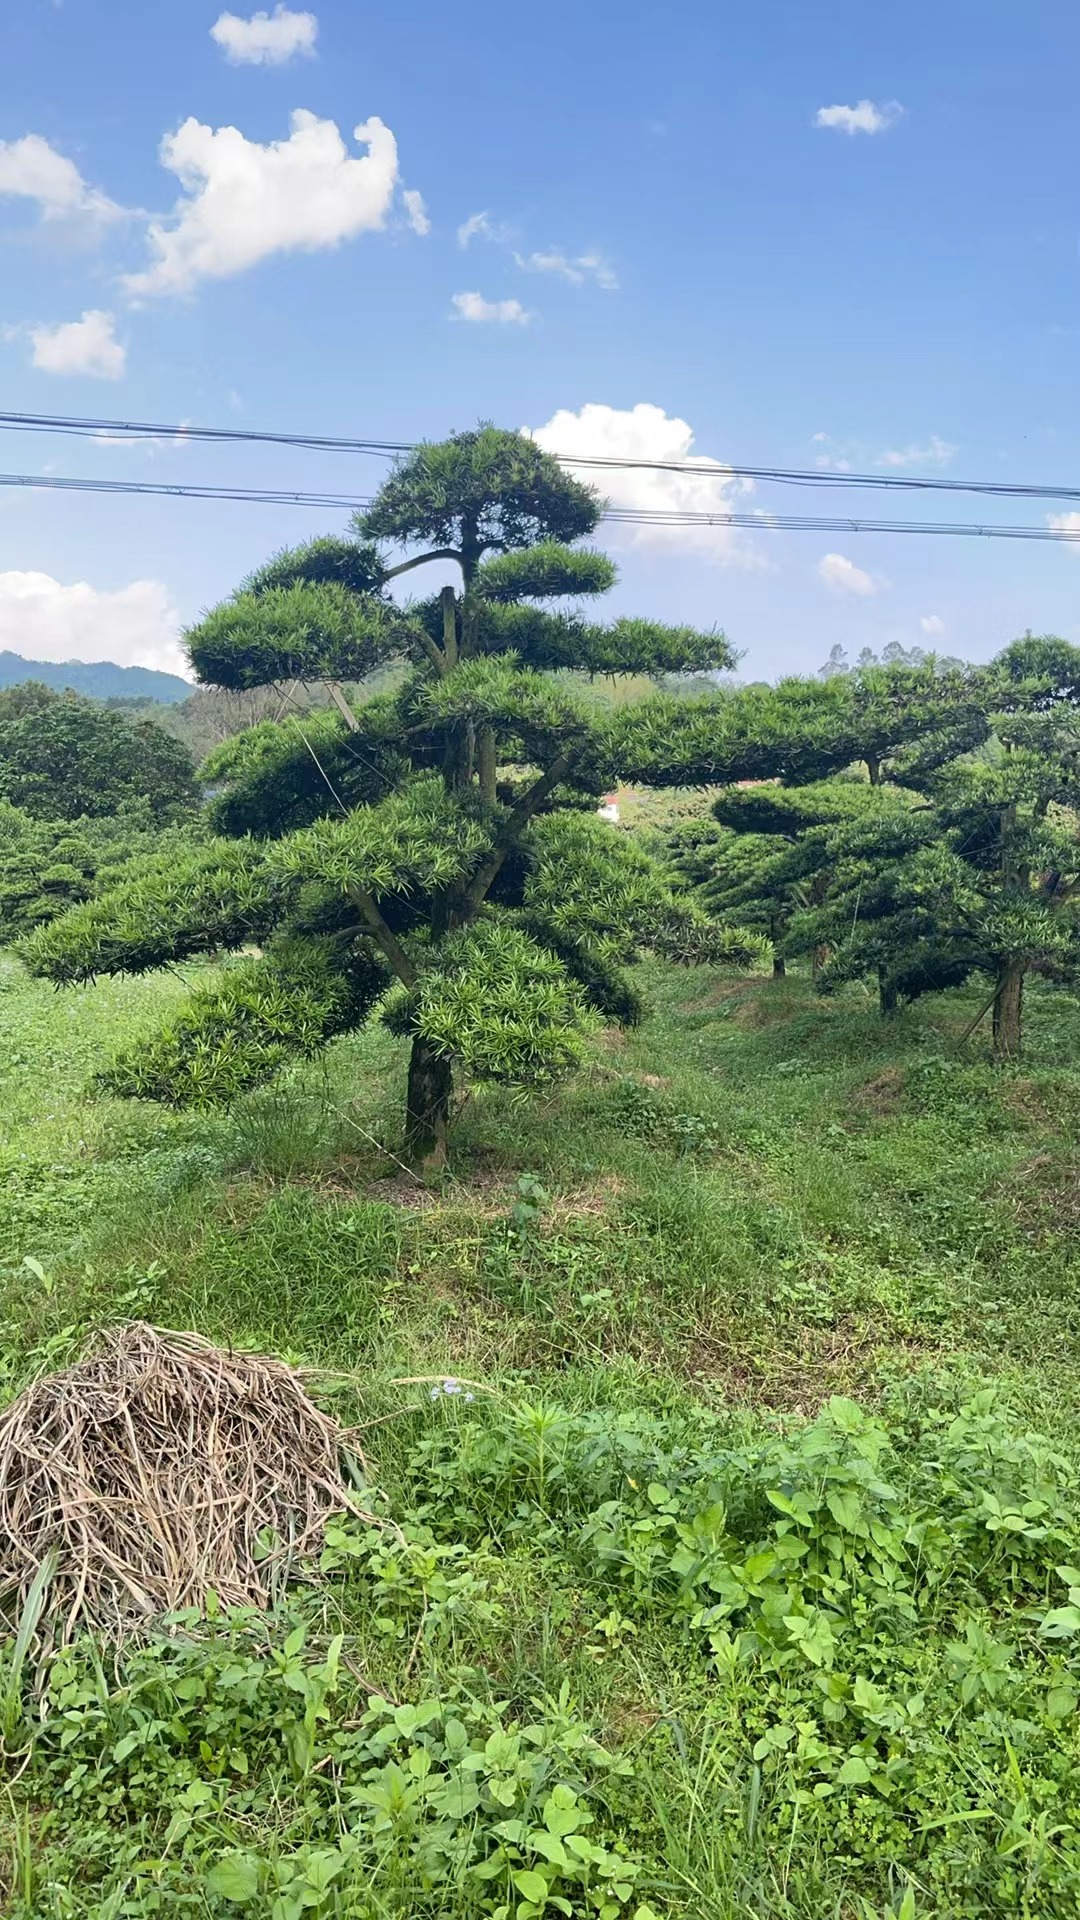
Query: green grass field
(726,1579)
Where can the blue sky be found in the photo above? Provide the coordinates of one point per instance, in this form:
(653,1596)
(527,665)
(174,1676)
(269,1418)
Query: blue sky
(670,237)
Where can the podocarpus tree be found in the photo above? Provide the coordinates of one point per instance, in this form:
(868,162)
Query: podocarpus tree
(440,841)
(769,853)
(772,854)
(982,874)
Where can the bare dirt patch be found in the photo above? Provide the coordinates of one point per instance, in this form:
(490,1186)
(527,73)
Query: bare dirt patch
(490,1195)
(881,1095)
(798,1378)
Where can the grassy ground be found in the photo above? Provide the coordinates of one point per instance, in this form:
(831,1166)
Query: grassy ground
(735,1564)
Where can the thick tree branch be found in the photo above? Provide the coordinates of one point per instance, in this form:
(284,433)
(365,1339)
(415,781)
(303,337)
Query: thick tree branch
(343,706)
(385,937)
(514,825)
(434,653)
(421,560)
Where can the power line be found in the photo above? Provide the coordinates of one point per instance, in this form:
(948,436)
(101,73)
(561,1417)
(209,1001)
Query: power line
(119,430)
(265,496)
(617,516)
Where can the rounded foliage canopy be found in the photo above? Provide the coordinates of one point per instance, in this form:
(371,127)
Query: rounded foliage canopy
(481,490)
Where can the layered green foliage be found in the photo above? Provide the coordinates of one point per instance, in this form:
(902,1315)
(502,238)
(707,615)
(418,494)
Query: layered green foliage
(283,774)
(220,897)
(236,1032)
(499,1003)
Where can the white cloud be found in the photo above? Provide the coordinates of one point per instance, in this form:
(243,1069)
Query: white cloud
(30,169)
(45,620)
(934,452)
(244,201)
(585,266)
(829,462)
(87,346)
(647,433)
(480,226)
(415,211)
(932,624)
(473,306)
(843,576)
(865,117)
(1067,526)
(266,40)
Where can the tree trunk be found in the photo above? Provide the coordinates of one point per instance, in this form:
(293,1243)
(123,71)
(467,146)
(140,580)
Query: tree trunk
(779,970)
(427,1107)
(488,764)
(1008,1010)
(888,998)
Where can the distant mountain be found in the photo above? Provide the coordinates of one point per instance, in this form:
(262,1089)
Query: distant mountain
(100,679)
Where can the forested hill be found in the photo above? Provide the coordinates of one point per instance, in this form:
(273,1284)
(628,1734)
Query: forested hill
(99,679)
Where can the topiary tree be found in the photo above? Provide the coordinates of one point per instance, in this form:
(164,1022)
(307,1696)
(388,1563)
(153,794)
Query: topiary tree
(770,860)
(981,874)
(768,853)
(435,850)
(63,758)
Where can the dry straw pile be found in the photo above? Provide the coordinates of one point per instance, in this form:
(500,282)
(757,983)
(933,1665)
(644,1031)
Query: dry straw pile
(159,1470)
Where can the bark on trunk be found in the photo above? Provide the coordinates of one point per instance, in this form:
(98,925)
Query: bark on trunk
(1009,1010)
(888,998)
(427,1108)
(487,764)
(779,970)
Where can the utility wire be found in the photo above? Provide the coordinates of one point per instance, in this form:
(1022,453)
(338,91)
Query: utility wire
(112,431)
(616,516)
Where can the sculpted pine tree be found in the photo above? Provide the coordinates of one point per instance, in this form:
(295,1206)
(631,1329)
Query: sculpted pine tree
(434,851)
(790,857)
(973,866)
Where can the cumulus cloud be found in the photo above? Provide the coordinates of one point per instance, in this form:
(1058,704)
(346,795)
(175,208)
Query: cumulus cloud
(30,169)
(416,212)
(267,39)
(473,306)
(646,432)
(87,346)
(45,620)
(934,452)
(865,117)
(1067,527)
(579,269)
(841,575)
(932,624)
(243,202)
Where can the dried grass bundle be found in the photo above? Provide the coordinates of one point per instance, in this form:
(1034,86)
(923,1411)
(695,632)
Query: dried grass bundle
(158,1470)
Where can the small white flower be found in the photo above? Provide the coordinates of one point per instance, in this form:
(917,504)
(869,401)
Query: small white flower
(435,1392)
(451,1386)
(469,1398)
